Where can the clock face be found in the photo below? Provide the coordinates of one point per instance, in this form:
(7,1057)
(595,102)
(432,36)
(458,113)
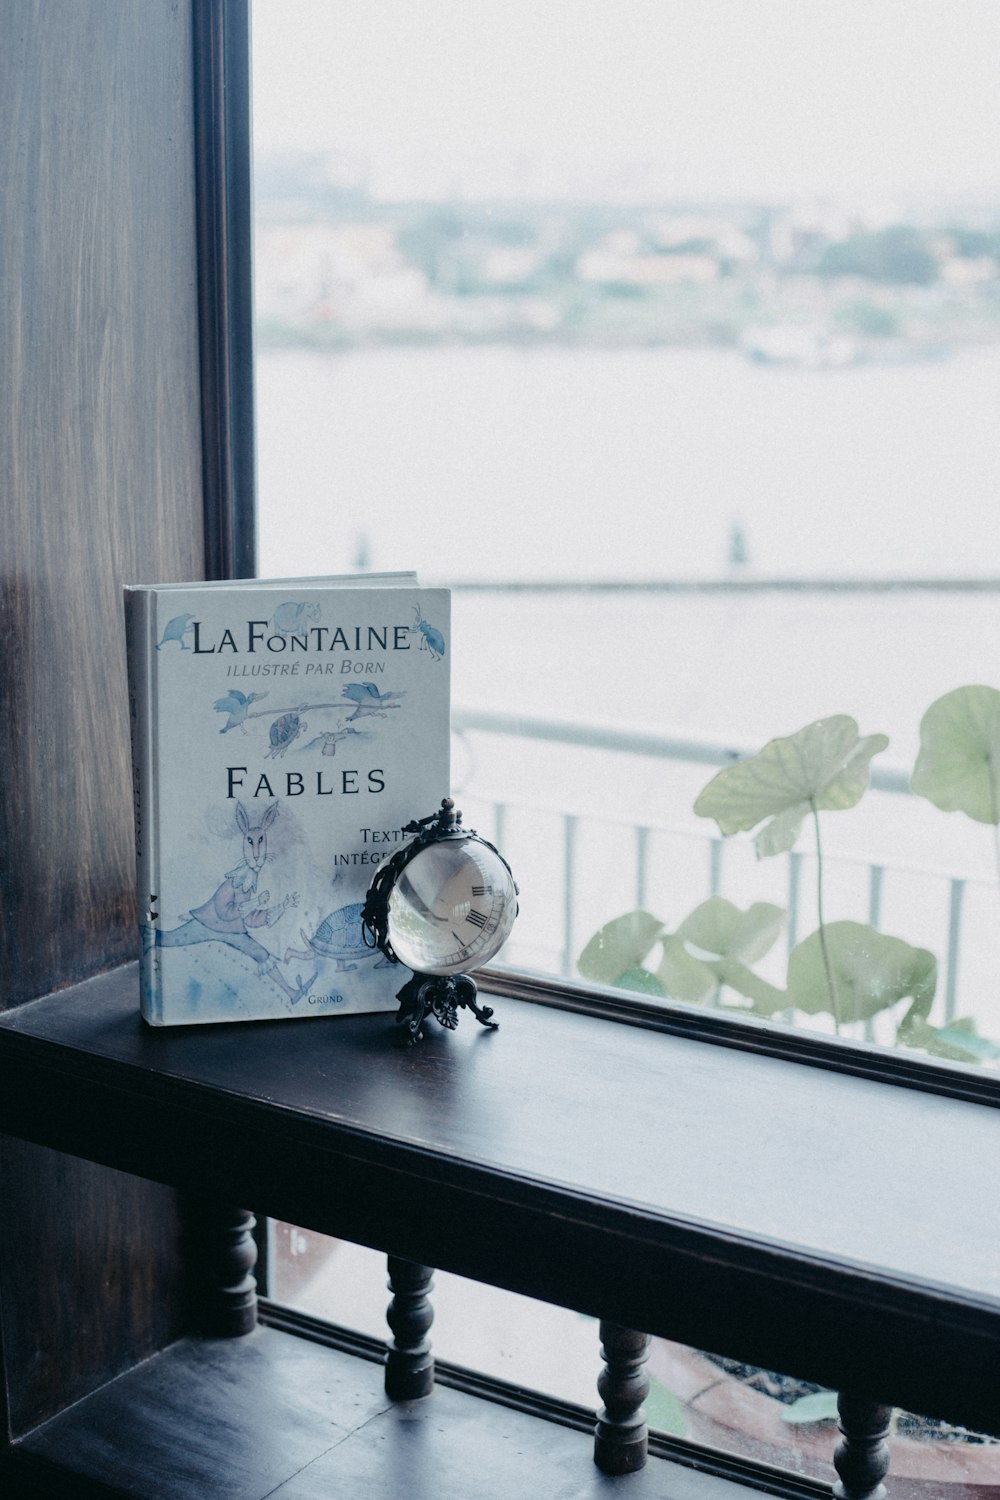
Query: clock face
(451,908)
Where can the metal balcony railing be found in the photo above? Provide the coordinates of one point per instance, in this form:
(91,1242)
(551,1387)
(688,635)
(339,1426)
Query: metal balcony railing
(567,935)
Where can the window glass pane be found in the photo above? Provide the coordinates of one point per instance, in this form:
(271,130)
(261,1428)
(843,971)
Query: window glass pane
(668,335)
(770,1418)
(513,1338)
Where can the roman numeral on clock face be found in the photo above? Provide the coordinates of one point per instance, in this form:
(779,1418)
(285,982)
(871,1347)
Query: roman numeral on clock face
(482,890)
(476,918)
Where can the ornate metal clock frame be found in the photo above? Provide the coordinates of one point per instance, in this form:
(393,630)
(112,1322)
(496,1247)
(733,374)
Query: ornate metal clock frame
(440,995)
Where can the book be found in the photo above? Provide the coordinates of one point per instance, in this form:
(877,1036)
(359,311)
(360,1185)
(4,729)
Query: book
(283,732)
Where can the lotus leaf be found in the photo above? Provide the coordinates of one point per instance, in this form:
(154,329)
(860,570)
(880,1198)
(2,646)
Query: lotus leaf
(683,976)
(721,930)
(665,1410)
(641,980)
(619,946)
(958,767)
(818,1406)
(767,998)
(824,766)
(711,947)
(871,971)
(959,1041)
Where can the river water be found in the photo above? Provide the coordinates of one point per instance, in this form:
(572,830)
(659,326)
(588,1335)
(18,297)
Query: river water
(508,463)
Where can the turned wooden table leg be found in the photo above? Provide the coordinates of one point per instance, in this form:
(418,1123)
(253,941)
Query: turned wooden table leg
(409,1364)
(862,1458)
(228,1286)
(621,1437)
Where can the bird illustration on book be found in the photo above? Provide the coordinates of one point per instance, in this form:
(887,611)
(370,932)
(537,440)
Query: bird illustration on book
(235,910)
(329,739)
(368,700)
(237,706)
(288,724)
(175,630)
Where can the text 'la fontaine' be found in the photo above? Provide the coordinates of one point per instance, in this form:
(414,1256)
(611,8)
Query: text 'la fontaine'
(261,636)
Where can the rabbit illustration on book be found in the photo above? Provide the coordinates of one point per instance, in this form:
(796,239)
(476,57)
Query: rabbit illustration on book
(236,909)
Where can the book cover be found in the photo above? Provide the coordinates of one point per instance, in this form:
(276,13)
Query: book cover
(283,731)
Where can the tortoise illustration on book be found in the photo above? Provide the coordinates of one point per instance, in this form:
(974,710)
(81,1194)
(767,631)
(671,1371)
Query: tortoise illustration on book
(339,937)
(284,732)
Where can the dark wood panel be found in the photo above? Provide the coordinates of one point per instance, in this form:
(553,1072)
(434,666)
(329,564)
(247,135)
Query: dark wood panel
(108,1285)
(100,447)
(101,484)
(505,1157)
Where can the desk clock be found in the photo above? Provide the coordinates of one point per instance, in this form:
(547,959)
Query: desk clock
(443,904)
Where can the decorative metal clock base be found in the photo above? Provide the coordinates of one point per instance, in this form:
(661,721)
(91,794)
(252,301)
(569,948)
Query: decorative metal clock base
(440,996)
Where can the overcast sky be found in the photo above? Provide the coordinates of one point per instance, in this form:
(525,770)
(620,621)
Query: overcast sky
(694,97)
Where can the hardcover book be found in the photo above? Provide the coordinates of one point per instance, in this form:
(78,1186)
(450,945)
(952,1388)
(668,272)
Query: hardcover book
(283,732)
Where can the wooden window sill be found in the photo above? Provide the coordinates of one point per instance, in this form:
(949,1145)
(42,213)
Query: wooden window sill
(837,1227)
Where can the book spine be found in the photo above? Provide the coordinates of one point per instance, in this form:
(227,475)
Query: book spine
(140,646)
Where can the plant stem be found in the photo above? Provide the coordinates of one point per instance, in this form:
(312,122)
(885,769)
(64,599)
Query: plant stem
(822,926)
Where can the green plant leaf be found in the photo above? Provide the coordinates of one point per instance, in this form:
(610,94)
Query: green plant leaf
(958,767)
(871,971)
(664,1409)
(711,948)
(766,998)
(683,976)
(959,1041)
(721,930)
(619,946)
(826,765)
(819,1406)
(641,980)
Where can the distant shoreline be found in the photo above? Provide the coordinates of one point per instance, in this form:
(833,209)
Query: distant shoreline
(734,585)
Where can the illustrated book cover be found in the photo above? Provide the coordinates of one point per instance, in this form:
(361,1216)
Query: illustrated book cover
(283,732)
